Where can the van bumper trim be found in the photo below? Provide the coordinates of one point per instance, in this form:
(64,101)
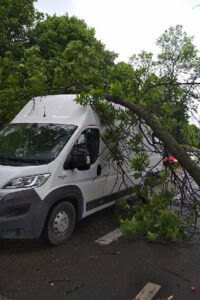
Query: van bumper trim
(22,214)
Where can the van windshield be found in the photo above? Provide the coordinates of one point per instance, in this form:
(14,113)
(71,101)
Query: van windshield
(29,144)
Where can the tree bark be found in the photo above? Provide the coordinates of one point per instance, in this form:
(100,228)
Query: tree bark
(169,142)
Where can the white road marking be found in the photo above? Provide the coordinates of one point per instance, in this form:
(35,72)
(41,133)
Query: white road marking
(110,237)
(148,292)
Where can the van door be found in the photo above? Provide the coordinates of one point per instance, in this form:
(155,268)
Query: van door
(118,177)
(90,182)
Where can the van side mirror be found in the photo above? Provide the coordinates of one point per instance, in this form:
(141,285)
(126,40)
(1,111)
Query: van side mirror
(79,159)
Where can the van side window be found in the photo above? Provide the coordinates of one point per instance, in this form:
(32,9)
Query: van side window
(89,139)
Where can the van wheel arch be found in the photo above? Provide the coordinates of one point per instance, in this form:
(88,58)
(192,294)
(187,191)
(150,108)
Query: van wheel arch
(71,194)
(71,200)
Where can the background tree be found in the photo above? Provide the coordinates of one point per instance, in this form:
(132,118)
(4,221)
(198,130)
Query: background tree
(16,19)
(44,56)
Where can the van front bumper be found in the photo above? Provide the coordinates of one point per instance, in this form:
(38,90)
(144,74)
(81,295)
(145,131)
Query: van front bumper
(22,214)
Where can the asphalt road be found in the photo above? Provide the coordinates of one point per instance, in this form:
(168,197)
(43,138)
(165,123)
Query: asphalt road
(80,269)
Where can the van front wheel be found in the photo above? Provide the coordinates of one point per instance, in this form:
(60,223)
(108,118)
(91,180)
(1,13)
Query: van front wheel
(61,223)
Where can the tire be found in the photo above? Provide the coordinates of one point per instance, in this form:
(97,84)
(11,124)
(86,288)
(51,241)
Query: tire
(60,223)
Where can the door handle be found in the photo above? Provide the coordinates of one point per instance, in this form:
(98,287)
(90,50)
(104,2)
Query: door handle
(99,170)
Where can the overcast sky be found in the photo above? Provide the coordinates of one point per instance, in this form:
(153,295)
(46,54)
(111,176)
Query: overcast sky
(129,26)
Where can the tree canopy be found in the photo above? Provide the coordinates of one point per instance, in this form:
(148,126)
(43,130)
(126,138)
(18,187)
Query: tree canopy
(44,55)
(60,54)
(16,18)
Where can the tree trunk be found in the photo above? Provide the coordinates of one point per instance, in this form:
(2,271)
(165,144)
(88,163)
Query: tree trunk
(169,142)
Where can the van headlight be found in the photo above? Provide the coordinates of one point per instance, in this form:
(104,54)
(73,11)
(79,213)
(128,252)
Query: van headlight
(27,182)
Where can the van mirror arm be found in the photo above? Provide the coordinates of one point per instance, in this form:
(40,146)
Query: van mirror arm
(79,159)
(68,164)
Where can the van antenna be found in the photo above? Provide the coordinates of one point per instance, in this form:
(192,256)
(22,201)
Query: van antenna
(44,115)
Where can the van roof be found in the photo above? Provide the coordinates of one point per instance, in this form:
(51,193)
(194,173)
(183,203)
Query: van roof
(57,109)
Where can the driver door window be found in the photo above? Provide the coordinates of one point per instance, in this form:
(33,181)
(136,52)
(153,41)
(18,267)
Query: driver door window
(89,139)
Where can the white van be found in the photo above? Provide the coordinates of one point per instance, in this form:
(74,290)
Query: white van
(54,170)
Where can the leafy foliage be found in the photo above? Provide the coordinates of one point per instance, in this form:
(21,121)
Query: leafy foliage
(156,219)
(16,19)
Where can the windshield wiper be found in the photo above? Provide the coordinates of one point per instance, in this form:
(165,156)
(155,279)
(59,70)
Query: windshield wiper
(3,159)
(35,161)
(25,160)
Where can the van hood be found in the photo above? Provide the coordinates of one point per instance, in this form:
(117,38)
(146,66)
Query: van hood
(7,173)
